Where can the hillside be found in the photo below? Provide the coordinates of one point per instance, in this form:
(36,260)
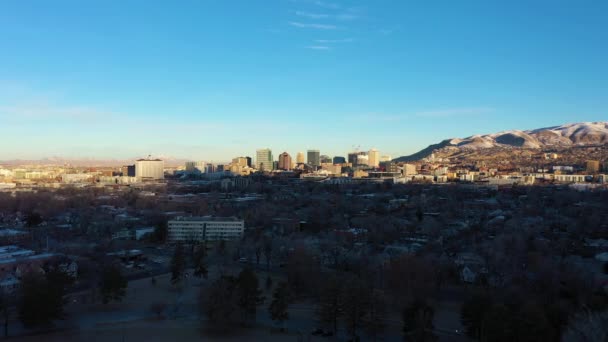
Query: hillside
(569,135)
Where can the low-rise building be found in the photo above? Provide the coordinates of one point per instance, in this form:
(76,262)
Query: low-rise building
(206,228)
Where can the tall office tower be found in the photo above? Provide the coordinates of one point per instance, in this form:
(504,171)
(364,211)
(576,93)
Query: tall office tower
(300,158)
(248,161)
(362,159)
(385,158)
(339,160)
(284,161)
(210,168)
(239,161)
(263,159)
(196,167)
(593,166)
(313,157)
(373,158)
(149,169)
(353,157)
(325,159)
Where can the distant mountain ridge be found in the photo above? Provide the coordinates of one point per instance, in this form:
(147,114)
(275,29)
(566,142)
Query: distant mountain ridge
(88,162)
(575,134)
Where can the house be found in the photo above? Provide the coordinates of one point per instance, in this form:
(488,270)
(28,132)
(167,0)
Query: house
(70,268)
(468,275)
(9,283)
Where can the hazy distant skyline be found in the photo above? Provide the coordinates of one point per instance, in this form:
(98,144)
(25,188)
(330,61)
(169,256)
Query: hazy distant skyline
(211,80)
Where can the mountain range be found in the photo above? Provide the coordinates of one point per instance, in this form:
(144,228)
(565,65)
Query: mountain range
(569,135)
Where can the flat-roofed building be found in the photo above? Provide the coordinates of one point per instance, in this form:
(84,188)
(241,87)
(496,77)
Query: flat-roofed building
(150,169)
(205,228)
(264,160)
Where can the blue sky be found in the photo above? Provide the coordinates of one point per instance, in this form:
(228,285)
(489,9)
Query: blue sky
(216,79)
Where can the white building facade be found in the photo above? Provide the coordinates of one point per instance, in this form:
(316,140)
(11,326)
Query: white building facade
(149,169)
(206,228)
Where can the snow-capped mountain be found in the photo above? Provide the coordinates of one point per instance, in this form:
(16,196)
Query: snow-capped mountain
(585,133)
(576,134)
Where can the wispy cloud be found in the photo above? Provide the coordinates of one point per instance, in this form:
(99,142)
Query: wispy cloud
(388,30)
(313,25)
(318,47)
(329,5)
(334,41)
(312,15)
(346,16)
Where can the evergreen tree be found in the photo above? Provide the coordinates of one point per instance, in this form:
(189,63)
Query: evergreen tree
(473,312)
(249,294)
(219,303)
(200,264)
(161,231)
(376,314)
(329,309)
(112,285)
(355,304)
(418,322)
(41,298)
(280,302)
(178,264)
(5,306)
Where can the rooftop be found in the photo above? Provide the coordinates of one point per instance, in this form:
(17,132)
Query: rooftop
(206,218)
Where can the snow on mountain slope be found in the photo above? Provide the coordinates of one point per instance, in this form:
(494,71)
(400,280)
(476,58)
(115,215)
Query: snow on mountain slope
(575,134)
(586,133)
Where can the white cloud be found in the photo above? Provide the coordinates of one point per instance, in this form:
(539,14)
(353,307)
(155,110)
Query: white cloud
(312,15)
(313,26)
(318,47)
(329,5)
(333,41)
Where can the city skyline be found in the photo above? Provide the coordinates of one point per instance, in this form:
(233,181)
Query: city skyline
(187,83)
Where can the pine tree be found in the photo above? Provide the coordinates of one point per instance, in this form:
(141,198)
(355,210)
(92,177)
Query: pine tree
(249,294)
(41,298)
(112,285)
(177,264)
(376,314)
(418,322)
(200,264)
(329,309)
(280,302)
(355,304)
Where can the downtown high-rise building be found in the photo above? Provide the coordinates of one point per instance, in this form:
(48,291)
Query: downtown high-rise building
(313,158)
(196,166)
(300,158)
(353,157)
(284,161)
(339,160)
(385,158)
(263,159)
(239,161)
(373,158)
